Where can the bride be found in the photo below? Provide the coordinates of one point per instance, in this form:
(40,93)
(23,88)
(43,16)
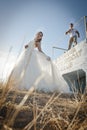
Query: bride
(35,69)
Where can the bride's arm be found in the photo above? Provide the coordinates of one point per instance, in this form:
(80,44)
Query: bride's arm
(40,49)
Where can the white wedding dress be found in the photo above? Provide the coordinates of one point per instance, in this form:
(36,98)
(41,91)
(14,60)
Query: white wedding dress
(33,69)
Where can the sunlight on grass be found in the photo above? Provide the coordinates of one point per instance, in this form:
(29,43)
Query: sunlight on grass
(37,110)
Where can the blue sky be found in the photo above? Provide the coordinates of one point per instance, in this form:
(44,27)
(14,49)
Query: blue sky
(21,19)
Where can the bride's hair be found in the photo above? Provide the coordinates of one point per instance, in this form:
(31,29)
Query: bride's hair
(40,33)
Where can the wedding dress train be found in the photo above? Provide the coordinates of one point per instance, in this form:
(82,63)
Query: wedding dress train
(34,69)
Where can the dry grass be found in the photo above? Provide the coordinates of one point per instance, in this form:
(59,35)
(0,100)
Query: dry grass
(32,110)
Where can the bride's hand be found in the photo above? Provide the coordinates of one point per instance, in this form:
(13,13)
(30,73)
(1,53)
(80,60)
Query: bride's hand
(48,58)
(26,46)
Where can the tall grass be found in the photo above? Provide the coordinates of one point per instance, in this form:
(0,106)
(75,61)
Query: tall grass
(33,110)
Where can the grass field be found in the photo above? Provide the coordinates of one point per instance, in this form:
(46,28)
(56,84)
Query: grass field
(33,110)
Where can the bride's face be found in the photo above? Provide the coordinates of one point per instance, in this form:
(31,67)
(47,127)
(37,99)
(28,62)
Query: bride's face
(39,36)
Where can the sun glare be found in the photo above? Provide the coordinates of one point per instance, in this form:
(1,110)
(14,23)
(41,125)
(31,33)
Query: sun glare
(6,65)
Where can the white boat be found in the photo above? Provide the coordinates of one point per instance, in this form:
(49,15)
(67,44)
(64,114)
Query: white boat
(73,65)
